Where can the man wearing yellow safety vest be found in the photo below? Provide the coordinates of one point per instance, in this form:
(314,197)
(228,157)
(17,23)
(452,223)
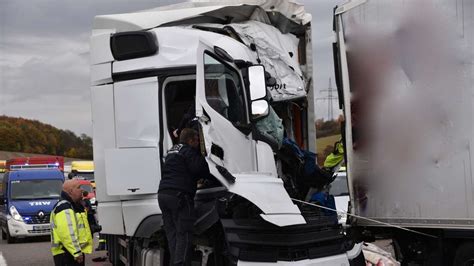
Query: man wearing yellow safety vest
(335,158)
(70,232)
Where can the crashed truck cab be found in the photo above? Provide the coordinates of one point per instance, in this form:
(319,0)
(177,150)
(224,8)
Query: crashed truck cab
(237,65)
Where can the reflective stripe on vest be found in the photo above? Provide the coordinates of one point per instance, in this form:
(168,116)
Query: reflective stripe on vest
(73,234)
(52,225)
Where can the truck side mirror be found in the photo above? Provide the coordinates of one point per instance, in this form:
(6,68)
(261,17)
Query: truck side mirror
(259,109)
(258,89)
(258,92)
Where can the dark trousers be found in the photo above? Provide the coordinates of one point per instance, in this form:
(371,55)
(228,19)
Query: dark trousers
(178,220)
(66,259)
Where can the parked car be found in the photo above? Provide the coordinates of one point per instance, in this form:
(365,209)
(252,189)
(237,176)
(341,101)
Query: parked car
(339,189)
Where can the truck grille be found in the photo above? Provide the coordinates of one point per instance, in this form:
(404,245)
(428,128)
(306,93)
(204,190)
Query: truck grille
(252,240)
(35,219)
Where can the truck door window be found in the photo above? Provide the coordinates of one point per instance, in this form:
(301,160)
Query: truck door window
(179,97)
(224,91)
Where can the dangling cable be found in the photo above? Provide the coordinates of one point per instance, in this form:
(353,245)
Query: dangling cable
(364,218)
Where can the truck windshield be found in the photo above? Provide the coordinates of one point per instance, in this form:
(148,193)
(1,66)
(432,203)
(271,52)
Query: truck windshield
(85,176)
(35,189)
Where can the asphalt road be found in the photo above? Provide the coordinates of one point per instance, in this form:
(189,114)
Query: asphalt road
(36,251)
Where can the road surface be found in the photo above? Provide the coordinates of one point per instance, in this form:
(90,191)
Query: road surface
(36,252)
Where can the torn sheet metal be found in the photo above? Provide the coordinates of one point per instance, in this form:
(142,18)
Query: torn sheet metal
(278,53)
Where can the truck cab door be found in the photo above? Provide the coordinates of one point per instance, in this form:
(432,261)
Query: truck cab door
(223,111)
(222,108)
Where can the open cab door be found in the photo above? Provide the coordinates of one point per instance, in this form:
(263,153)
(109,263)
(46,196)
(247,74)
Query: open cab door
(222,106)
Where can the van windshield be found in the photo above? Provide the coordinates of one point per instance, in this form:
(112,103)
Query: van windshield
(35,189)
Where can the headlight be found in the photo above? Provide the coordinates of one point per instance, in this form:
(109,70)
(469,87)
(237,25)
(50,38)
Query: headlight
(14,213)
(92,200)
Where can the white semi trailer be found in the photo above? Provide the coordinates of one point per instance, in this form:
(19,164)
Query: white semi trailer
(231,60)
(405,79)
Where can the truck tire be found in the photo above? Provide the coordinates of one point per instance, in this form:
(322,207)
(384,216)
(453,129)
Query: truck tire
(4,235)
(464,255)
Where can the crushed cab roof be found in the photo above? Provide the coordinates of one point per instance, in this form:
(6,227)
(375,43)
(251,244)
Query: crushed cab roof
(232,10)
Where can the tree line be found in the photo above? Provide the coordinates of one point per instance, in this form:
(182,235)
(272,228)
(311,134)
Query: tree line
(32,136)
(325,128)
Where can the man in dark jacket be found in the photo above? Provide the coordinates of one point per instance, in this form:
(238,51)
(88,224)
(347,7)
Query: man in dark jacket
(94,226)
(184,166)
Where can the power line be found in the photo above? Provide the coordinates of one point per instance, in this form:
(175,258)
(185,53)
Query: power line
(329,98)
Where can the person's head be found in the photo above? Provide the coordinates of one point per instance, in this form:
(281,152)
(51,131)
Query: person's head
(189,136)
(72,187)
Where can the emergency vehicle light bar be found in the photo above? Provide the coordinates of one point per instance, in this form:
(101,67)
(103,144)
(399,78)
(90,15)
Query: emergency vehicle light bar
(33,166)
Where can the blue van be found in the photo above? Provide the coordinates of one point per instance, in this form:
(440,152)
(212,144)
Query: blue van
(26,201)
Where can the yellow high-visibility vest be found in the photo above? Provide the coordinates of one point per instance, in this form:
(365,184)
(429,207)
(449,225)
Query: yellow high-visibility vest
(335,157)
(70,230)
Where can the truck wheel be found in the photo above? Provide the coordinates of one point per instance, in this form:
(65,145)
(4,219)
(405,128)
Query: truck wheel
(465,254)
(4,235)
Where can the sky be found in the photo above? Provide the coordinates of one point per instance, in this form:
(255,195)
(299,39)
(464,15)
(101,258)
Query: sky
(44,56)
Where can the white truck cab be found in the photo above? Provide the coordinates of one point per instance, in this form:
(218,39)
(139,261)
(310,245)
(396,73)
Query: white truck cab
(235,63)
